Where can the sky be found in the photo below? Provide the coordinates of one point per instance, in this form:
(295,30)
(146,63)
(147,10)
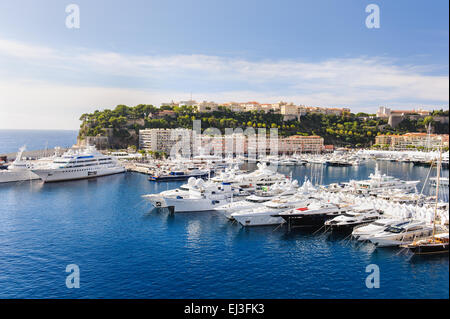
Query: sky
(315,53)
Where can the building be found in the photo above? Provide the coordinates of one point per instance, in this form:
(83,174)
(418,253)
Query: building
(396,116)
(187,103)
(206,106)
(267,107)
(413,140)
(162,140)
(336,111)
(251,106)
(385,112)
(234,106)
(289,109)
(302,144)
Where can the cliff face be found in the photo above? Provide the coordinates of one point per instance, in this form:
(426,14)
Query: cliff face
(117,128)
(109,138)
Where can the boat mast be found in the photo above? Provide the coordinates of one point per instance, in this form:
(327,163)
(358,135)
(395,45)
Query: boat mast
(438,173)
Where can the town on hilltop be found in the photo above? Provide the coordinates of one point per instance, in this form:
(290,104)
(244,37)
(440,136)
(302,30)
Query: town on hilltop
(300,128)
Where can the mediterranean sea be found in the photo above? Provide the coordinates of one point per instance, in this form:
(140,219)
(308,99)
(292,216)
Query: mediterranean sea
(12,140)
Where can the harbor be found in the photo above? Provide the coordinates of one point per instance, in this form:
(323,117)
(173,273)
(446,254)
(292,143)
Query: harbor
(109,223)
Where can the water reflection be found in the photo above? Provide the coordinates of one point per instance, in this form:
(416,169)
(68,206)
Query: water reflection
(193,233)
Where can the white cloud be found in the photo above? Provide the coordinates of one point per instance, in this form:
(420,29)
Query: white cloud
(50,101)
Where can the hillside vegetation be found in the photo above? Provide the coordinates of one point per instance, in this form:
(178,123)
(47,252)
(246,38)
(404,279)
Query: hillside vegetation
(353,130)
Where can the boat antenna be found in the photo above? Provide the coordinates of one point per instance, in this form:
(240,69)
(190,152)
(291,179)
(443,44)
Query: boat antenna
(438,173)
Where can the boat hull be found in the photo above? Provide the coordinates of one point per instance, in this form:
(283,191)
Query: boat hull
(441,248)
(258,219)
(59,175)
(184,205)
(392,241)
(304,220)
(167,178)
(8,176)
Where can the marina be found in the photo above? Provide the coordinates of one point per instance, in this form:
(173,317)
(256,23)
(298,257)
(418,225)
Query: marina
(209,228)
(225,158)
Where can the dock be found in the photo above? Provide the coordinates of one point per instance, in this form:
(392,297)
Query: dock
(138,168)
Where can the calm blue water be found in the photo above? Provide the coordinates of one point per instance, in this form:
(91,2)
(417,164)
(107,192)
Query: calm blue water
(126,250)
(12,140)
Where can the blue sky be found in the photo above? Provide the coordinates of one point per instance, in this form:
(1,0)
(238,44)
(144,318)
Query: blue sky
(130,52)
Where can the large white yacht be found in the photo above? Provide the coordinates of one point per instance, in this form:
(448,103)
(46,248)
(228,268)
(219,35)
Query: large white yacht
(364,232)
(352,218)
(200,197)
(79,163)
(263,176)
(403,233)
(268,193)
(266,214)
(378,182)
(19,170)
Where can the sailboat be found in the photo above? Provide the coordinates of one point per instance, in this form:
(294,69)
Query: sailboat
(436,243)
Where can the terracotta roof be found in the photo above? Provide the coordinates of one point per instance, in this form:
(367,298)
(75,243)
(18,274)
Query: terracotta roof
(301,136)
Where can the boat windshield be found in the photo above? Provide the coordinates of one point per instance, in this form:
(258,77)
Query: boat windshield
(394,229)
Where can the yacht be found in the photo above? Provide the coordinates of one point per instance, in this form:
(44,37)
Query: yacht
(437,244)
(79,163)
(18,170)
(313,214)
(255,200)
(207,159)
(263,176)
(179,175)
(266,214)
(338,162)
(353,218)
(263,214)
(400,234)
(286,161)
(183,190)
(196,199)
(442,180)
(249,202)
(380,182)
(364,232)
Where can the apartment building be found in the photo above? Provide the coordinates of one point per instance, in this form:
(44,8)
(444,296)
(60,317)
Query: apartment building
(206,106)
(302,144)
(413,140)
(251,106)
(292,144)
(162,140)
(234,106)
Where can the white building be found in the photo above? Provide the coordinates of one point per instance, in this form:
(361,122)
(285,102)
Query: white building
(187,103)
(206,106)
(383,111)
(160,139)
